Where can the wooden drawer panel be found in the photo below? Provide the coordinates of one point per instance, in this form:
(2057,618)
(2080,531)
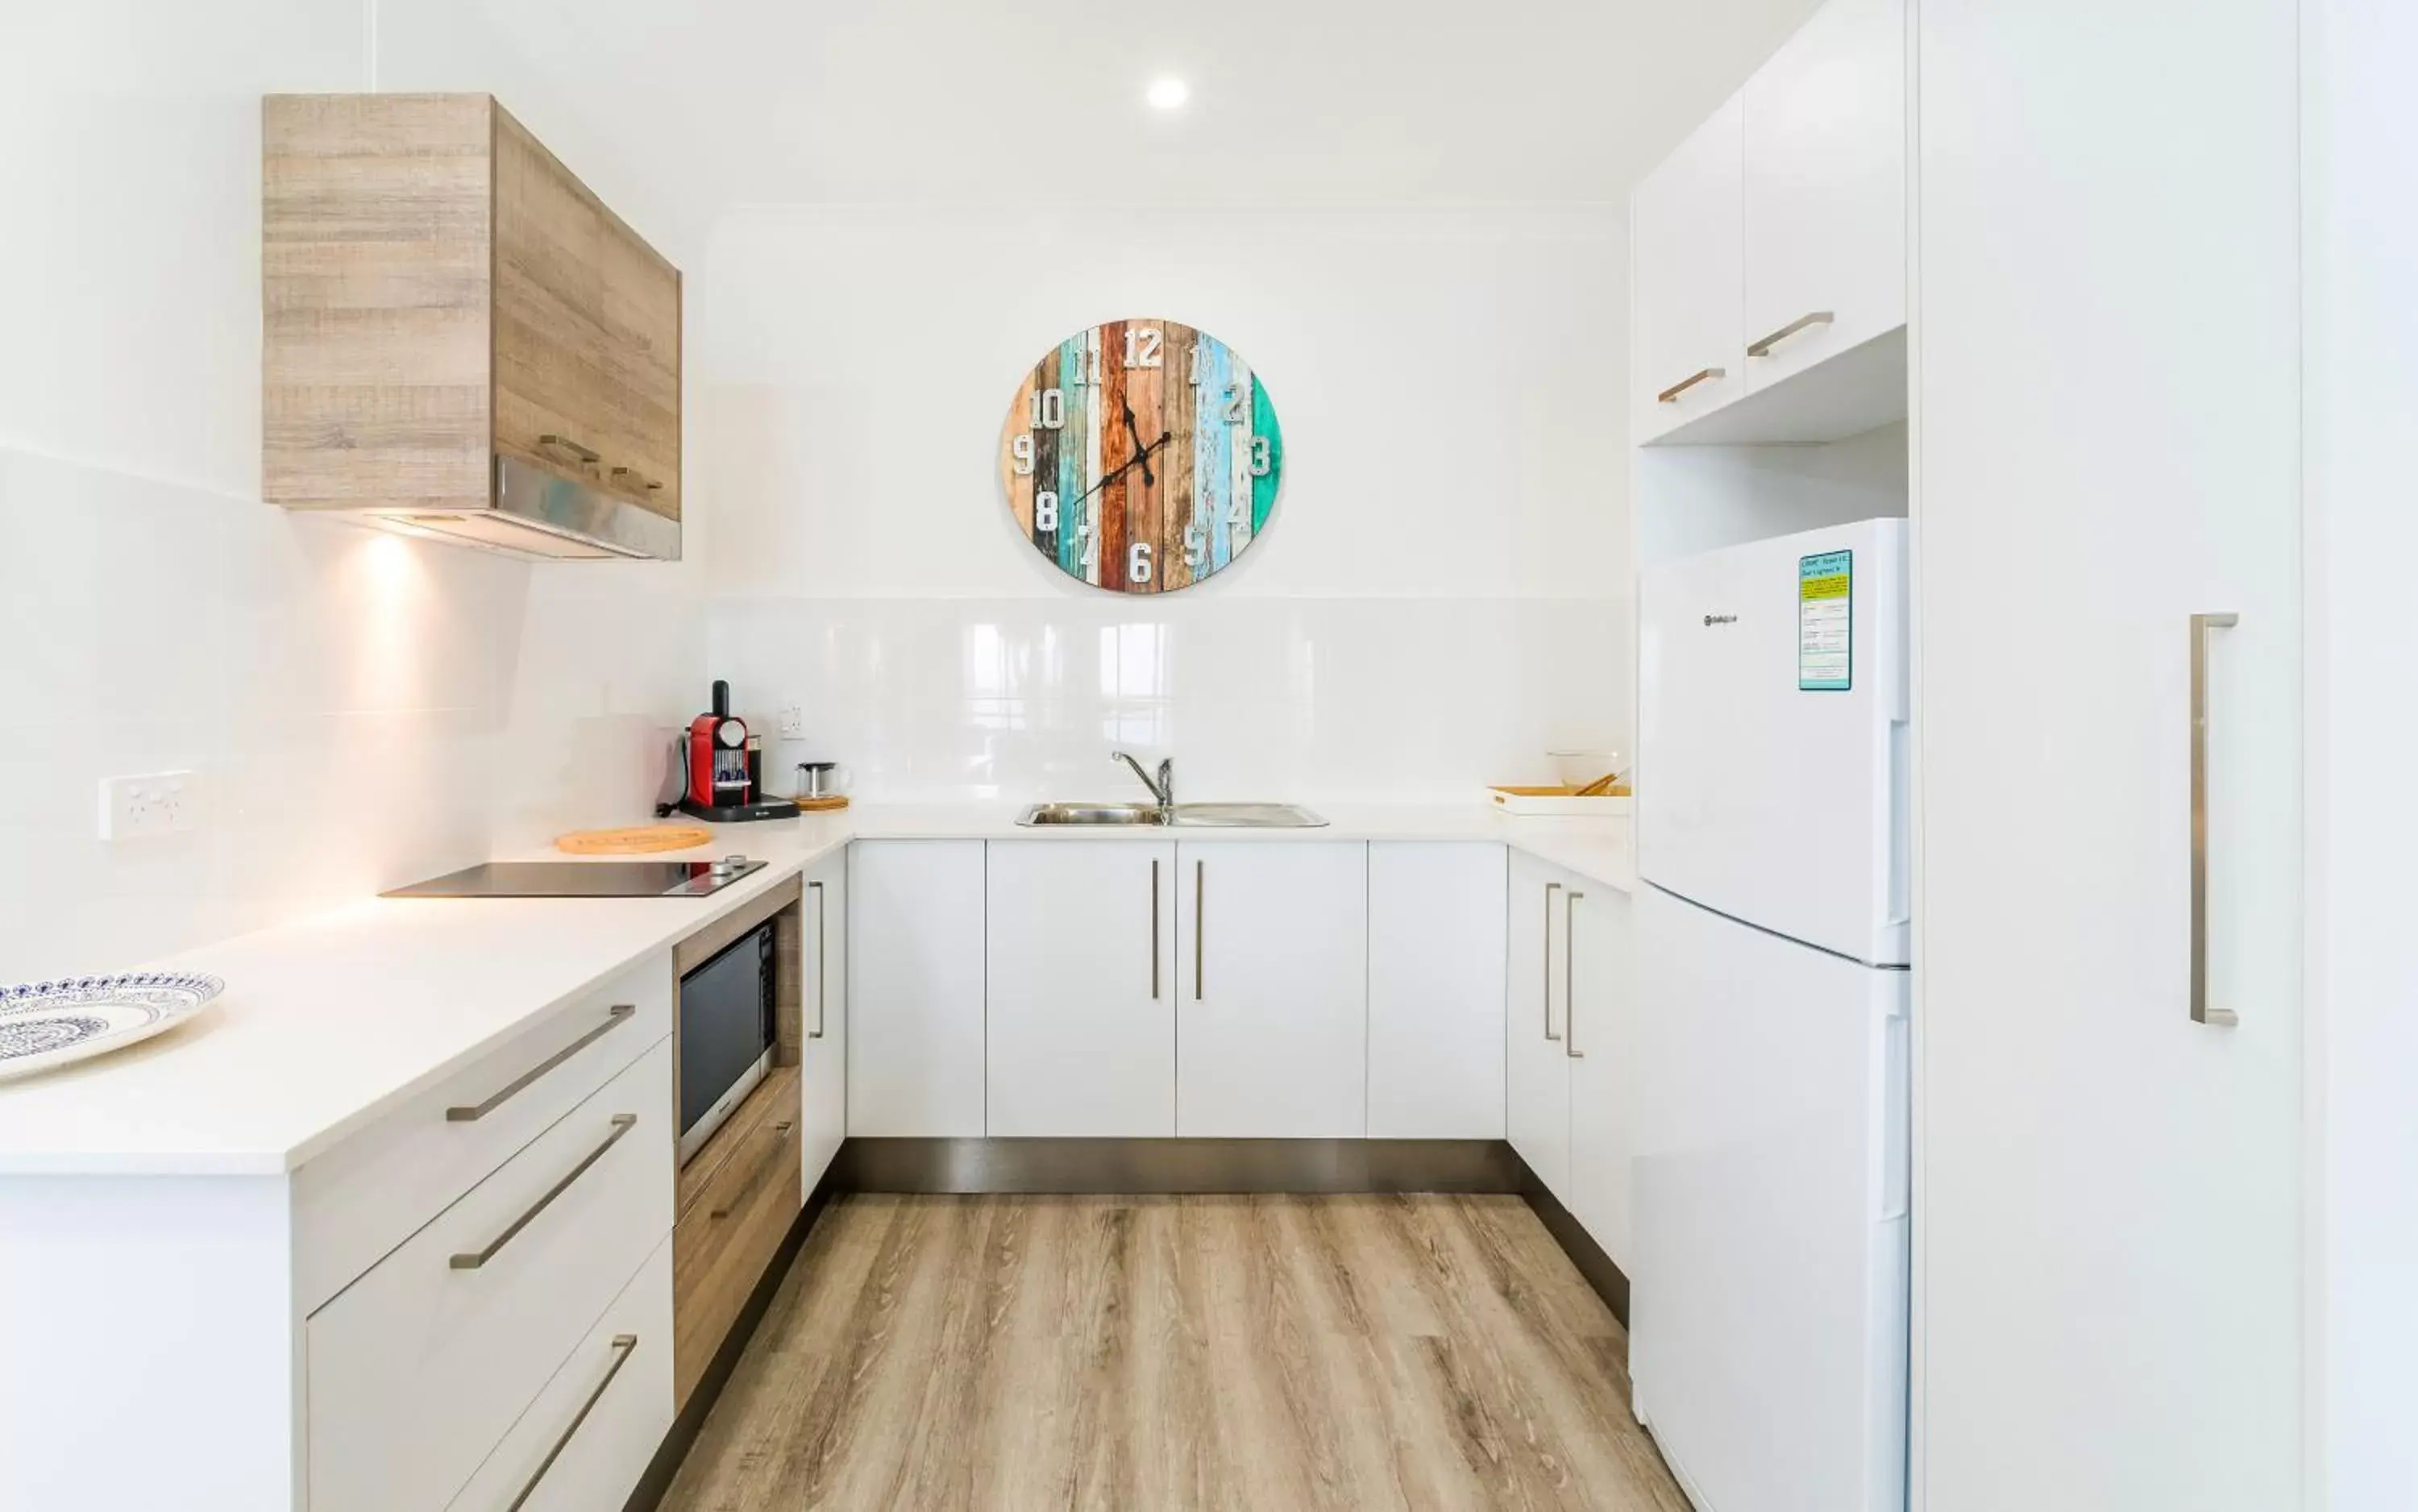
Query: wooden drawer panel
(732,1221)
(417,1371)
(606,1408)
(371,1193)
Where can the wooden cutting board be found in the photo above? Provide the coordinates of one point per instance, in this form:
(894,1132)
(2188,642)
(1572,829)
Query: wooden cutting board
(639,841)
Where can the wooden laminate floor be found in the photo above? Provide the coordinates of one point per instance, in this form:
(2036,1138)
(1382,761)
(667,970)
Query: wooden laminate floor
(1274,1353)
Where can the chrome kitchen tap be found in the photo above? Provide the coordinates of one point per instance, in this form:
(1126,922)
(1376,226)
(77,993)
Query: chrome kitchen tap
(1163,789)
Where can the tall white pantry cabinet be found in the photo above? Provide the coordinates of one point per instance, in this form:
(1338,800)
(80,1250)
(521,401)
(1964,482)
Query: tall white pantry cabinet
(2031,275)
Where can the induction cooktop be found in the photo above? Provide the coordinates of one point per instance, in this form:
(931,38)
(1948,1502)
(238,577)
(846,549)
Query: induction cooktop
(584,879)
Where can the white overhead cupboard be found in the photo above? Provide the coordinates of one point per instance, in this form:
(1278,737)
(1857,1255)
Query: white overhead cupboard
(1773,240)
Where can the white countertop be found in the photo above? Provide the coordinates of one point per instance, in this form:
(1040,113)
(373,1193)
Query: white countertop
(330,1020)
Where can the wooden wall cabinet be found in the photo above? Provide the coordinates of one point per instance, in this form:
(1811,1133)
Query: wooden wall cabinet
(459,338)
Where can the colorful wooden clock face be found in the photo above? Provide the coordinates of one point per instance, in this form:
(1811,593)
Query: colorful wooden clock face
(1141,456)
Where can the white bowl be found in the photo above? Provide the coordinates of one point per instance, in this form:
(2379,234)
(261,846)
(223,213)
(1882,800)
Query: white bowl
(1576,769)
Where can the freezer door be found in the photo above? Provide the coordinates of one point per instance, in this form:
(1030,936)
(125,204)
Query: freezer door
(1768,1302)
(1771,735)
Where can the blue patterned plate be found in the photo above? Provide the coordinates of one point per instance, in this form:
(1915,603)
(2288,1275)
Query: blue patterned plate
(46,1024)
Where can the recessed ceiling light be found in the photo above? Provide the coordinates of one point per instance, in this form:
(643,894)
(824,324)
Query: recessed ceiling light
(1168,93)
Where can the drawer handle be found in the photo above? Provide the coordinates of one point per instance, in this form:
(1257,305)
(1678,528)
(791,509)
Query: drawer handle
(1762,347)
(1670,395)
(618,1014)
(624,1345)
(780,1137)
(621,1122)
(631,473)
(564,443)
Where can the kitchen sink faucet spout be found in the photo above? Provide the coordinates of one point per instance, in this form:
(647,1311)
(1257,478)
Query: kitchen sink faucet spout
(1163,789)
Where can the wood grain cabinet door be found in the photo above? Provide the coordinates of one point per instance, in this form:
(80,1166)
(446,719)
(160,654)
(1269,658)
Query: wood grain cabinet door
(639,315)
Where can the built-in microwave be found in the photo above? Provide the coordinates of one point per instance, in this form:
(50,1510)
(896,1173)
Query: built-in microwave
(726,1035)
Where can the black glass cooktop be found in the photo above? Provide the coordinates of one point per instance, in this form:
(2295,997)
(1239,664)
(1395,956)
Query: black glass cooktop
(583,879)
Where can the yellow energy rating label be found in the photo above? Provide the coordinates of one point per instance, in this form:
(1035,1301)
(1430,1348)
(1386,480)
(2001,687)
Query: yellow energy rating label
(1826,621)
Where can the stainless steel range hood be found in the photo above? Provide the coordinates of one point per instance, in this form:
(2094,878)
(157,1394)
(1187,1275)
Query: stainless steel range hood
(542,514)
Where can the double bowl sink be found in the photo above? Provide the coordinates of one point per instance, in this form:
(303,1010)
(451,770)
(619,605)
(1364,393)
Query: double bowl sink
(1183,816)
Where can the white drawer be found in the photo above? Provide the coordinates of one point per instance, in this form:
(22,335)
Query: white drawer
(417,1369)
(375,1190)
(584,1442)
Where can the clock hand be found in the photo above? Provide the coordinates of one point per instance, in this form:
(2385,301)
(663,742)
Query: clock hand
(1116,473)
(1141,453)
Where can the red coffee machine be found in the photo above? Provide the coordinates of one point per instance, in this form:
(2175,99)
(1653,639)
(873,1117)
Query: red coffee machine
(725,769)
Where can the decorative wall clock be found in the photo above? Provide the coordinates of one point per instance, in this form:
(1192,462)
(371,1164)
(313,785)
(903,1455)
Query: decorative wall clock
(1141,456)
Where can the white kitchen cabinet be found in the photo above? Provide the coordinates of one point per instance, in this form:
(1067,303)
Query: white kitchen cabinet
(1824,232)
(1536,1069)
(1082,989)
(1272,1022)
(823,1061)
(1436,922)
(1599,1038)
(1685,241)
(588,1438)
(915,988)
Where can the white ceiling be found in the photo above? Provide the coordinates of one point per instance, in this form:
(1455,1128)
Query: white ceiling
(1005,103)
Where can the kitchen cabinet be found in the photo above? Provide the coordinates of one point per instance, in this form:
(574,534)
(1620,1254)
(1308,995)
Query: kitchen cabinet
(915,988)
(1272,1018)
(824,1054)
(1436,923)
(458,338)
(1536,1069)
(1572,1038)
(1824,231)
(1082,989)
(1599,1038)
(1686,243)
(1772,243)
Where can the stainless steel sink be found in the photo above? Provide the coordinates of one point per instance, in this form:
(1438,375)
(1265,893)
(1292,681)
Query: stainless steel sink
(1197,815)
(1247,816)
(1092,813)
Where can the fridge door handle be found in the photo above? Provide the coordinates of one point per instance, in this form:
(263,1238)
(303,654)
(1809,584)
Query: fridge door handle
(2200,626)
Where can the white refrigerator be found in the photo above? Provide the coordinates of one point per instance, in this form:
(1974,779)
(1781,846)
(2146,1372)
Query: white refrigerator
(1769,1308)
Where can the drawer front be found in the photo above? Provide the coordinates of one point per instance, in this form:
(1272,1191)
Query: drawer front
(584,1442)
(417,1369)
(371,1193)
(728,1232)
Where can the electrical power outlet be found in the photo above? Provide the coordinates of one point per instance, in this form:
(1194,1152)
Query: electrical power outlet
(152,805)
(793,722)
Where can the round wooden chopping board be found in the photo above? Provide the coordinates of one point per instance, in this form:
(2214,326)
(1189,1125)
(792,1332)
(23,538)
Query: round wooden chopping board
(638,841)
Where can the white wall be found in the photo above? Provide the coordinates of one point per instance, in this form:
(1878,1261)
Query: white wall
(2362,243)
(362,709)
(1440,596)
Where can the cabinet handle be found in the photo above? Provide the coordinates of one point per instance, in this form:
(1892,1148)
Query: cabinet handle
(2201,1011)
(649,484)
(1546,975)
(1199,927)
(1762,347)
(620,1013)
(1570,980)
(621,1122)
(822,958)
(624,1345)
(747,1188)
(1154,929)
(564,443)
(1670,395)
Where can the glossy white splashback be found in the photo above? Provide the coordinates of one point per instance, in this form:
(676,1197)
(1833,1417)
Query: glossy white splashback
(1369,700)
(1439,598)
